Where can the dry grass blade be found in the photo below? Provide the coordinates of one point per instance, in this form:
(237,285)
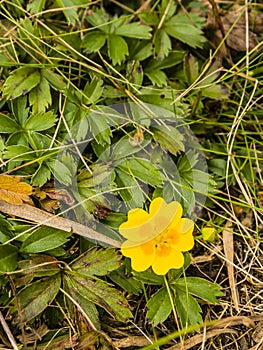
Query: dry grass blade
(228,243)
(200,338)
(31,213)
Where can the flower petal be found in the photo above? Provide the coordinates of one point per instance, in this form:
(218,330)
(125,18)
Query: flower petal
(164,214)
(186,239)
(142,256)
(173,260)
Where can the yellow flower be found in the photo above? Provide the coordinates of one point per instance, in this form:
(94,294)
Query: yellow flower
(157,238)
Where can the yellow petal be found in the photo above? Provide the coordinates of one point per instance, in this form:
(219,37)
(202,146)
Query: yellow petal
(186,239)
(141,256)
(165,214)
(173,260)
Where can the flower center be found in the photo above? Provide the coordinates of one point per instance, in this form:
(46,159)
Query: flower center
(165,240)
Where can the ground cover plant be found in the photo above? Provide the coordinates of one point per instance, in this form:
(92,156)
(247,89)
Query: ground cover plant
(131,174)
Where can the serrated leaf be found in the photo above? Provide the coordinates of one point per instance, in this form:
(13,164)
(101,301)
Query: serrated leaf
(88,307)
(117,49)
(159,307)
(99,17)
(14,191)
(99,127)
(174,58)
(36,297)
(100,293)
(41,121)
(8,258)
(59,170)
(71,13)
(54,79)
(93,90)
(157,77)
(98,262)
(40,96)
(21,81)
(187,308)
(7,124)
(216,92)
(180,27)
(169,138)
(39,266)
(130,191)
(35,6)
(134,30)
(129,284)
(19,152)
(41,176)
(93,41)
(43,239)
(123,148)
(149,17)
(201,288)
(142,169)
(162,44)
(191,68)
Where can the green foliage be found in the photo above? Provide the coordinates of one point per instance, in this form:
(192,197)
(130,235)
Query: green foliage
(63,63)
(43,239)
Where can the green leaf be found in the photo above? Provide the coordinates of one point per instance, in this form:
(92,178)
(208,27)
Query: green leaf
(162,44)
(134,30)
(97,262)
(19,152)
(54,79)
(93,90)
(142,169)
(174,58)
(139,50)
(35,6)
(216,92)
(129,189)
(187,308)
(8,258)
(40,97)
(129,284)
(36,297)
(180,27)
(159,306)
(39,266)
(41,176)
(70,14)
(88,307)
(117,48)
(123,148)
(20,110)
(6,230)
(149,17)
(59,170)
(99,17)
(93,41)
(41,121)
(157,77)
(201,288)
(191,68)
(43,239)
(8,124)
(99,293)
(169,138)
(21,81)
(99,126)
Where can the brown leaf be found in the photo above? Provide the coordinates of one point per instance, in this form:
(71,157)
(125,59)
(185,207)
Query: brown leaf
(13,191)
(228,242)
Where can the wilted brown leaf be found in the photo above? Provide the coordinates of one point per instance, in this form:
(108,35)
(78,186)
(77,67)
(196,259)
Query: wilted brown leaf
(13,191)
